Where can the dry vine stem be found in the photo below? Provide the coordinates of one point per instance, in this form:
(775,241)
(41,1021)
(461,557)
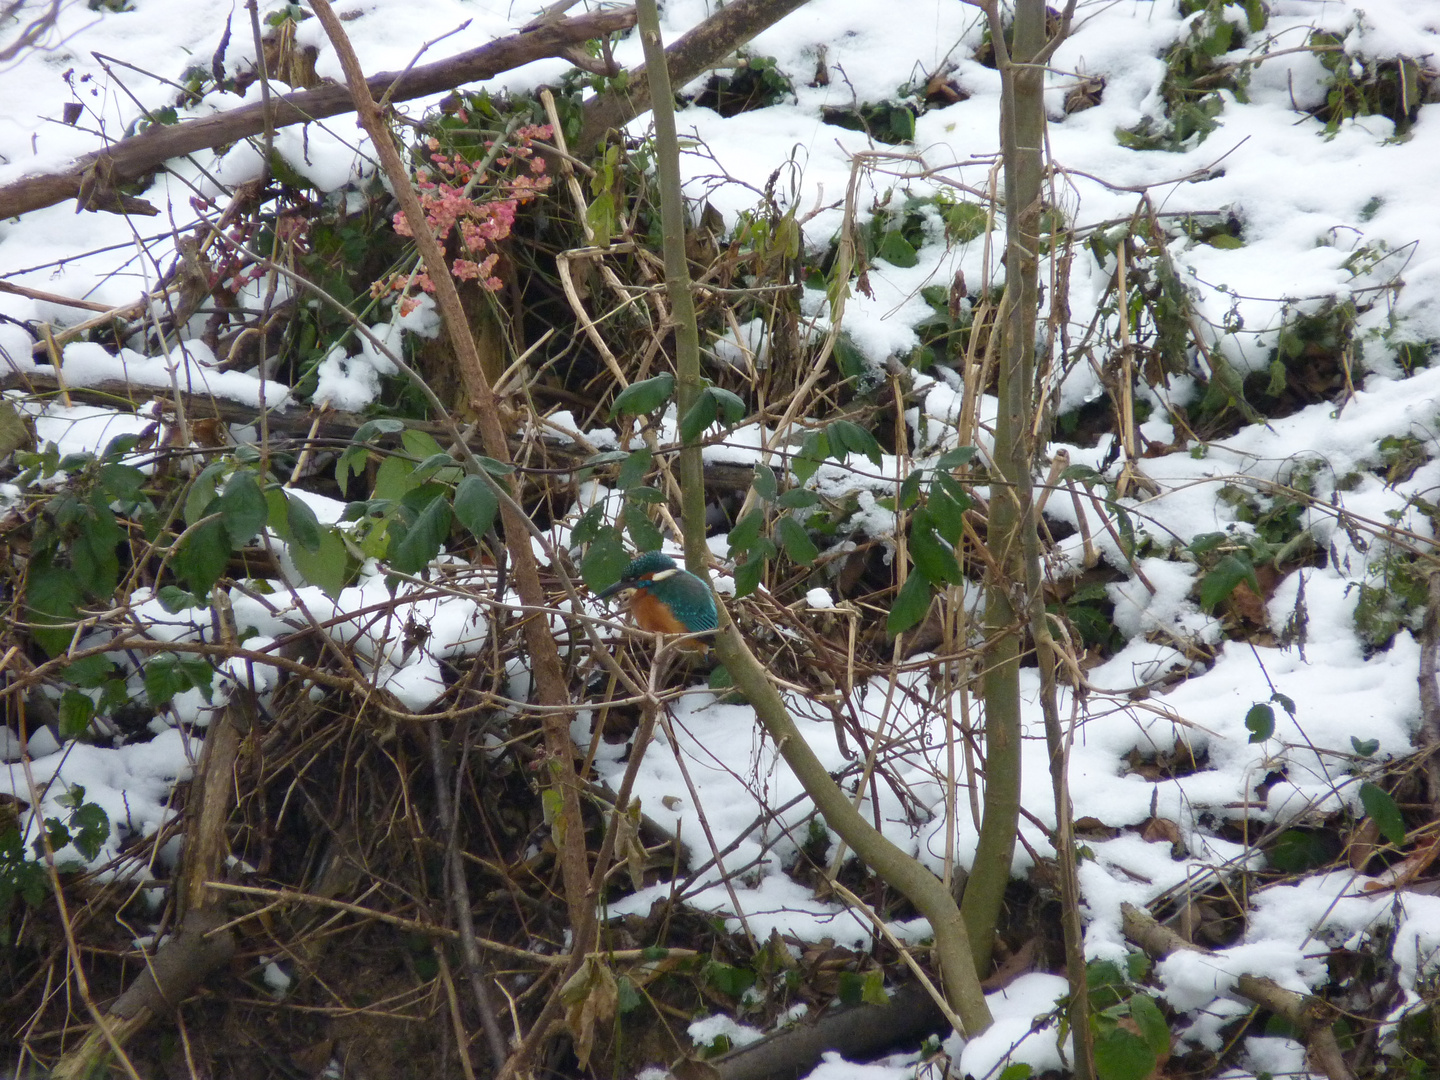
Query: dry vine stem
(544,656)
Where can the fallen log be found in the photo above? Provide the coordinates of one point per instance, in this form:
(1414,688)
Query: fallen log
(861,1032)
(100,172)
(1312,1018)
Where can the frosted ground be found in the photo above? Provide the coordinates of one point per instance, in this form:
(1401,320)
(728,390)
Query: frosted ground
(1306,201)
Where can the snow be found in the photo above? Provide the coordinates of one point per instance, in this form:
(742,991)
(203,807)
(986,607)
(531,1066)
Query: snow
(1025,1031)
(1323,218)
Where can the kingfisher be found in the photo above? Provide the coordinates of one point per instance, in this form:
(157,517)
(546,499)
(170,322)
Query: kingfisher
(667,599)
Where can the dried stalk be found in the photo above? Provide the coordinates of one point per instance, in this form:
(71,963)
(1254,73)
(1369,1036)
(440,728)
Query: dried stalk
(549,674)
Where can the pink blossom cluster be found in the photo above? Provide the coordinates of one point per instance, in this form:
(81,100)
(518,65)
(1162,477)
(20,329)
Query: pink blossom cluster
(478,224)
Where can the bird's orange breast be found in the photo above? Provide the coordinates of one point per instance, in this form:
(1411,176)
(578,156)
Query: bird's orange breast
(654,615)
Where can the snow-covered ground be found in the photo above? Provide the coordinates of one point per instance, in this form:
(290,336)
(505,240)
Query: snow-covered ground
(1323,217)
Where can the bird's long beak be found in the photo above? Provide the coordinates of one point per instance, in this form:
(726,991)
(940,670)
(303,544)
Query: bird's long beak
(619,587)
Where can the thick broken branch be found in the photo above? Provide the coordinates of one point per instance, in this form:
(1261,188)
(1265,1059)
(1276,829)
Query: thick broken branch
(130,159)
(704,47)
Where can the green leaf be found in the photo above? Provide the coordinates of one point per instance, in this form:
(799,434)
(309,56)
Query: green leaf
(1122,1055)
(798,545)
(422,540)
(953,459)
(124,482)
(627,998)
(732,406)
(493,467)
(965,221)
(910,490)
(394,478)
(200,674)
(1127,530)
(90,828)
(76,710)
(644,397)
(163,680)
(352,463)
(589,525)
(328,566)
(605,560)
(371,429)
(92,553)
(1137,966)
(601,217)
(422,445)
(764,483)
(748,574)
(798,499)
(434,464)
(1017,1070)
(1364,747)
(1381,809)
(1205,542)
(243,508)
(302,524)
(947,504)
(609,457)
(1297,851)
(643,533)
(814,450)
(89,671)
(1284,702)
(637,464)
(645,496)
(701,415)
(476,506)
(1151,1022)
(897,251)
(846,437)
(53,597)
(742,537)
(848,357)
(902,124)
(911,604)
(1084,473)
(1220,582)
(728,979)
(930,556)
(1261,722)
(874,990)
(203,556)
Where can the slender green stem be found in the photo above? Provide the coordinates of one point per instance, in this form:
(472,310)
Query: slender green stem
(926,891)
(688,384)
(1022,129)
(1013,595)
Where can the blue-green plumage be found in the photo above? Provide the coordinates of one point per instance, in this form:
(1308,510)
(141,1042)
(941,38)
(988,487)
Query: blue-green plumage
(666,598)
